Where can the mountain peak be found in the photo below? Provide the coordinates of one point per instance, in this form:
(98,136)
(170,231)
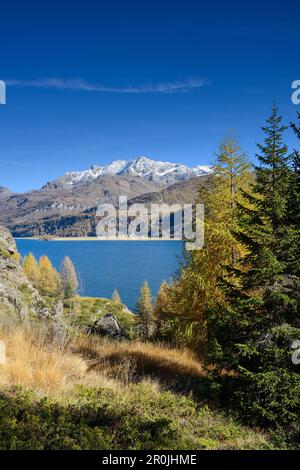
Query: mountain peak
(164,173)
(143,158)
(94,167)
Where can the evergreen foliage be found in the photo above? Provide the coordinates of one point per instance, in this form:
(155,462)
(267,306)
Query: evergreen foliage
(252,332)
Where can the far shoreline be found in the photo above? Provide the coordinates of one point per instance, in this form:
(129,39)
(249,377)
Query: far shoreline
(99,239)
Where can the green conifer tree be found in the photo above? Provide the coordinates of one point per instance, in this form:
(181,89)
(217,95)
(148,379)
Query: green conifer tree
(292,247)
(251,334)
(294,193)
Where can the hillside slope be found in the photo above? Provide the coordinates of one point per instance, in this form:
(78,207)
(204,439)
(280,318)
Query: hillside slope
(61,388)
(17,295)
(70,212)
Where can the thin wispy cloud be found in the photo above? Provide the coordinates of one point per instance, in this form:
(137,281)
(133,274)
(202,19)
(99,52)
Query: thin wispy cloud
(17,163)
(79,84)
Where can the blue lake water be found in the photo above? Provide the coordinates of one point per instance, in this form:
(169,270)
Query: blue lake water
(103,266)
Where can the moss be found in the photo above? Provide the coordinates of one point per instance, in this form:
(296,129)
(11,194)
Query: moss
(15,256)
(89,309)
(26,292)
(139,417)
(25,289)
(4,253)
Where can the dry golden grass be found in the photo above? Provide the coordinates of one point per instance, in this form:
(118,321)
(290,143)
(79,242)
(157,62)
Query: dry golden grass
(35,362)
(52,362)
(131,361)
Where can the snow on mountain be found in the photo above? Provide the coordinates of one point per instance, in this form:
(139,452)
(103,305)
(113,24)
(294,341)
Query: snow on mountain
(164,173)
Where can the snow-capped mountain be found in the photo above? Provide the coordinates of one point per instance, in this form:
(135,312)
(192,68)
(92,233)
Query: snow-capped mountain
(66,206)
(164,173)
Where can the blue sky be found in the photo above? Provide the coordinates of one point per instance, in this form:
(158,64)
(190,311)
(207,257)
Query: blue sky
(92,81)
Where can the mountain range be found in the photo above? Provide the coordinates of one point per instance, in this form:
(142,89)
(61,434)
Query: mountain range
(67,205)
(162,173)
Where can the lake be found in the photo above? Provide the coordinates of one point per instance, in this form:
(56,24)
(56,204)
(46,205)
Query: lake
(103,266)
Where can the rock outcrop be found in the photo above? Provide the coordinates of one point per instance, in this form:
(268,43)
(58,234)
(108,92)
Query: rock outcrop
(17,295)
(107,326)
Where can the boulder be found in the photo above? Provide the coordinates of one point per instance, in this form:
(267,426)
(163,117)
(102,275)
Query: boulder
(107,326)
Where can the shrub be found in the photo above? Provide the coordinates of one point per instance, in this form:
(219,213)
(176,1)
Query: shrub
(139,418)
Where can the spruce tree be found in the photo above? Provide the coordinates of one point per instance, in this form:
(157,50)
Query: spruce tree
(293,215)
(262,224)
(272,174)
(294,193)
(252,332)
